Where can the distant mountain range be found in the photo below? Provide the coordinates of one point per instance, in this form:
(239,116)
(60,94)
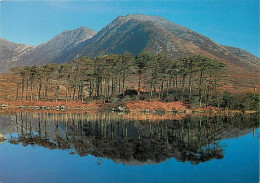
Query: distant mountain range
(13,54)
(131,33)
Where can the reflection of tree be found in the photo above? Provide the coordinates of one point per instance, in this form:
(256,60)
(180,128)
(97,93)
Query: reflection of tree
(193,140)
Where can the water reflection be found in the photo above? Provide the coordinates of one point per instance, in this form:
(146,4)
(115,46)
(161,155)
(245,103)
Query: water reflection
(125,139)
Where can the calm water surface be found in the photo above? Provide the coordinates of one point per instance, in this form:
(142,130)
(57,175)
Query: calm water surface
(51,147)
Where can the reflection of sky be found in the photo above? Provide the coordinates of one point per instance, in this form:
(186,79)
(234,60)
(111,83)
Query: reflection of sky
(37,164)
(232,22)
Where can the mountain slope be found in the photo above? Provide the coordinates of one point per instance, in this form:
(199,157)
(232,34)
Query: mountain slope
(22,55)
(11,52)
(136,33)
(244,55)
(47,52)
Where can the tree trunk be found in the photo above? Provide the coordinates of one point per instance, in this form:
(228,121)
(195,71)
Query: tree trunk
(79,92)
(124,81)
(176,81)
(119,84)
(183,86)
(207,95)
(139,84)
(74,92)
(46,89)
(162,88)
(112,87)
(67,91)
(27,85)
(31,90)
(108,89)
(39,92)
(57,92)
(190,90)
(82,97)
(101,86)
(17,91)
(200,88)
(22,89)
(167,89)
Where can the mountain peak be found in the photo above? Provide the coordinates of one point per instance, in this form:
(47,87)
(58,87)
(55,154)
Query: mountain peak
(143,17)
(20,54)
(87,29)
(4,42)
(81,30)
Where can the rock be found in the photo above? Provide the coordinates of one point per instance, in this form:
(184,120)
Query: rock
(115,109)
(3,106)
(187,111)
(34,107)
(2,137)
(129,93)
(120,108)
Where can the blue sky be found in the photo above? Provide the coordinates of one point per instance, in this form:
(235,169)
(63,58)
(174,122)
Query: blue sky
(229,22)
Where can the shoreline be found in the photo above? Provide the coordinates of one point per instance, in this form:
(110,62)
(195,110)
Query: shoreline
(145,107)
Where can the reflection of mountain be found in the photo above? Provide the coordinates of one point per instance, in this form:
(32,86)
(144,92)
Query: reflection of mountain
(126,141)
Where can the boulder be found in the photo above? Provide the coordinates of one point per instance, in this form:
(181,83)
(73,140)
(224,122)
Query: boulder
(187,111)
(2,137)
(3,106)
(120,108)
(63,107)
(130,93)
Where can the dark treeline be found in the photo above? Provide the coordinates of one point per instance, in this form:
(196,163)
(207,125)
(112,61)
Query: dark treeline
(195,79)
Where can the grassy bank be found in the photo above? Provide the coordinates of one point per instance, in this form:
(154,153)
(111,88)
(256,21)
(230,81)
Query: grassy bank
(155,107)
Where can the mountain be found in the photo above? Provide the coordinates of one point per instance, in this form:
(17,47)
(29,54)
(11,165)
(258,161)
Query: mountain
(21,55)
(137,33)
(244,55)
(47,52)
(11,52)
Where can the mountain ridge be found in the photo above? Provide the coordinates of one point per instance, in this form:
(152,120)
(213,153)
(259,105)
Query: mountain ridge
(135,33)
(44,53)
(10,52)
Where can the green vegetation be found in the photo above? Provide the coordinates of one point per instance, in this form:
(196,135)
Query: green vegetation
(109,77)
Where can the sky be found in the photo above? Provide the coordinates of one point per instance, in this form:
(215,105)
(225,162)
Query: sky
(228,22)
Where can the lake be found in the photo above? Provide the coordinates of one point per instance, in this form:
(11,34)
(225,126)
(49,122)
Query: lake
(125,148)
